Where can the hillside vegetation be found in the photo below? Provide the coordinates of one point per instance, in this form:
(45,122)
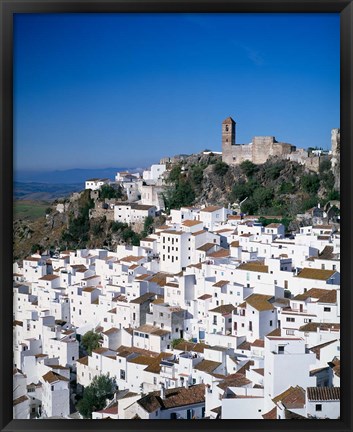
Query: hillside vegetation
(277,188)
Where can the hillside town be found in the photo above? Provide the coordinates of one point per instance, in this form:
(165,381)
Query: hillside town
(203,320)
(216,314)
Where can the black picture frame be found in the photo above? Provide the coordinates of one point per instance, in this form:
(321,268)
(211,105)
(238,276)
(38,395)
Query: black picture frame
(7,9)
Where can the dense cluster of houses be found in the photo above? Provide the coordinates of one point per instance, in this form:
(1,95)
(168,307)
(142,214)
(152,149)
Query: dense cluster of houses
(141,189)
(213,316)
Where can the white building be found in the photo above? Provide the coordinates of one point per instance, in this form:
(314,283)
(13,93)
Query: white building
(95,183)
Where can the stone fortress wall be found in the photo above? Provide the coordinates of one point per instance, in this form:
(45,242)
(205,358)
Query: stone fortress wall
(263,147)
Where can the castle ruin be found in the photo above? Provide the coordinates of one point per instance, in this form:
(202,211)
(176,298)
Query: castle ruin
(262,148)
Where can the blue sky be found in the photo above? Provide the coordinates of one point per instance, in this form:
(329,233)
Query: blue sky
(98,90)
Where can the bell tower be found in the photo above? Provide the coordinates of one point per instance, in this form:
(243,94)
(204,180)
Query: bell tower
(228,132)
(228,139)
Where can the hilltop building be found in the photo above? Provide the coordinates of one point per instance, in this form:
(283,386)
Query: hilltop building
(262,148)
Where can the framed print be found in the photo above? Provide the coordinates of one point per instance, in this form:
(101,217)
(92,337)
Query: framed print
(176,177)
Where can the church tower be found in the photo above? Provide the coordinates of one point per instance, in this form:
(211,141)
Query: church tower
(228,139)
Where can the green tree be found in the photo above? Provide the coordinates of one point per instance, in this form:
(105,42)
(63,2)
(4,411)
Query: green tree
(35,248)
(174,174)
(147,226)
(176,342)
(90,341)
(95,395)
(325,166)
(249,207)
(197,174)
(241,190)
(273,170)
(110,192)
(248,168)
(118,226)
(262,196)
(220,168)
(178,195)
(310,183)
(286,188)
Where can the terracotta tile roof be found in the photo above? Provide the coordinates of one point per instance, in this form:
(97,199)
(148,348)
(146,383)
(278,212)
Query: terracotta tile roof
(246,367)
(160,278)
(336,366)
(221,283)
(83,360)
(258,343)
(173,232)
(224,230)
(52,377)
(143,298)
(198,232)
(49,277)
(59,367)
(132,258)
(148,239)
(327,253)
(323,237)
(244,346)
(255,266)
(235,243)
(322,227)
(40,355)
(313,293)
(89,289)
(142,276)
(20,400)
(32,259)
(317,274)
(110,331)
(207,366)
(198,265)
(260,302)
(312,327)
(190,223)
(234,217)
(329,297)
(100,350)
(113,409)
(223,309)
(122,350)
(205,297)
(206,247)
(221,253)
(317,349)
(158,300)
(190,346)
(176,397)
(210,209)
(273,225)
(270,415)
(293,397)
(260,371)
(146,328)
(323,393)
(17,323)
(234,380)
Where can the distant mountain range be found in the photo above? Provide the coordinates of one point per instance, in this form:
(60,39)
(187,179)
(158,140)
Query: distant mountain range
(75,175)
(44,191)
(50,185)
